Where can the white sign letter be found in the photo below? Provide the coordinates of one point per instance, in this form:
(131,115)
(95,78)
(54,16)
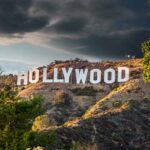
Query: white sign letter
(81,75)
(98,76)
(112,76)
(56,80)
(45,80)
(120,74)
(36,76)
(67,74)
(22,76)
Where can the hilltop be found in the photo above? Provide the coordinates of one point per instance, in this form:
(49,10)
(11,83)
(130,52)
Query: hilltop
(81,97)
(92,117)
(96,116)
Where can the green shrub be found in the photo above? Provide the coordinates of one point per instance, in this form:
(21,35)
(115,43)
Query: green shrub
(7,92)
(45,139)
(76,146)
(16,121)
(146,99)
(40,122)
(146,60)
(116,103)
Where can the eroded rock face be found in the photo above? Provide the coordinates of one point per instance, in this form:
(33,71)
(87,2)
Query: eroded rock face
(123,126)
(62,98)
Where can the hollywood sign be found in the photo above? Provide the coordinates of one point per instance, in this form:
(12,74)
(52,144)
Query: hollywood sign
(95,76)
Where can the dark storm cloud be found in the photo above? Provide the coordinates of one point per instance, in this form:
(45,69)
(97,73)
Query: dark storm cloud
(93,27)
(114,28)
(71,25)
(45,6)
(14,17)
(115,46)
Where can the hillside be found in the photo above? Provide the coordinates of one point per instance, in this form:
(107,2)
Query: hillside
(94,117)
(88,117)
(81,97)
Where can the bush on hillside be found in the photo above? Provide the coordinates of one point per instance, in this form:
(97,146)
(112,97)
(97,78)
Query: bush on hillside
(43,139)
(16,121)
(40,122)
(116,103)
(146,60)
(6,93)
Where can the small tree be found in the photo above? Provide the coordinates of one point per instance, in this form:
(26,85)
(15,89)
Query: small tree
(146,60)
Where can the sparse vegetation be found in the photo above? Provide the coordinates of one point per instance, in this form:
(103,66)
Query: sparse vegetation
(116,103)
(86,91)
(76,146)
(103,107)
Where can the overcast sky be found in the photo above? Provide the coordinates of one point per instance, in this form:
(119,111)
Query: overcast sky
(36,32)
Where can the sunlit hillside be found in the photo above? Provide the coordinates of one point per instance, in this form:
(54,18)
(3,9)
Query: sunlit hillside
(80,117)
